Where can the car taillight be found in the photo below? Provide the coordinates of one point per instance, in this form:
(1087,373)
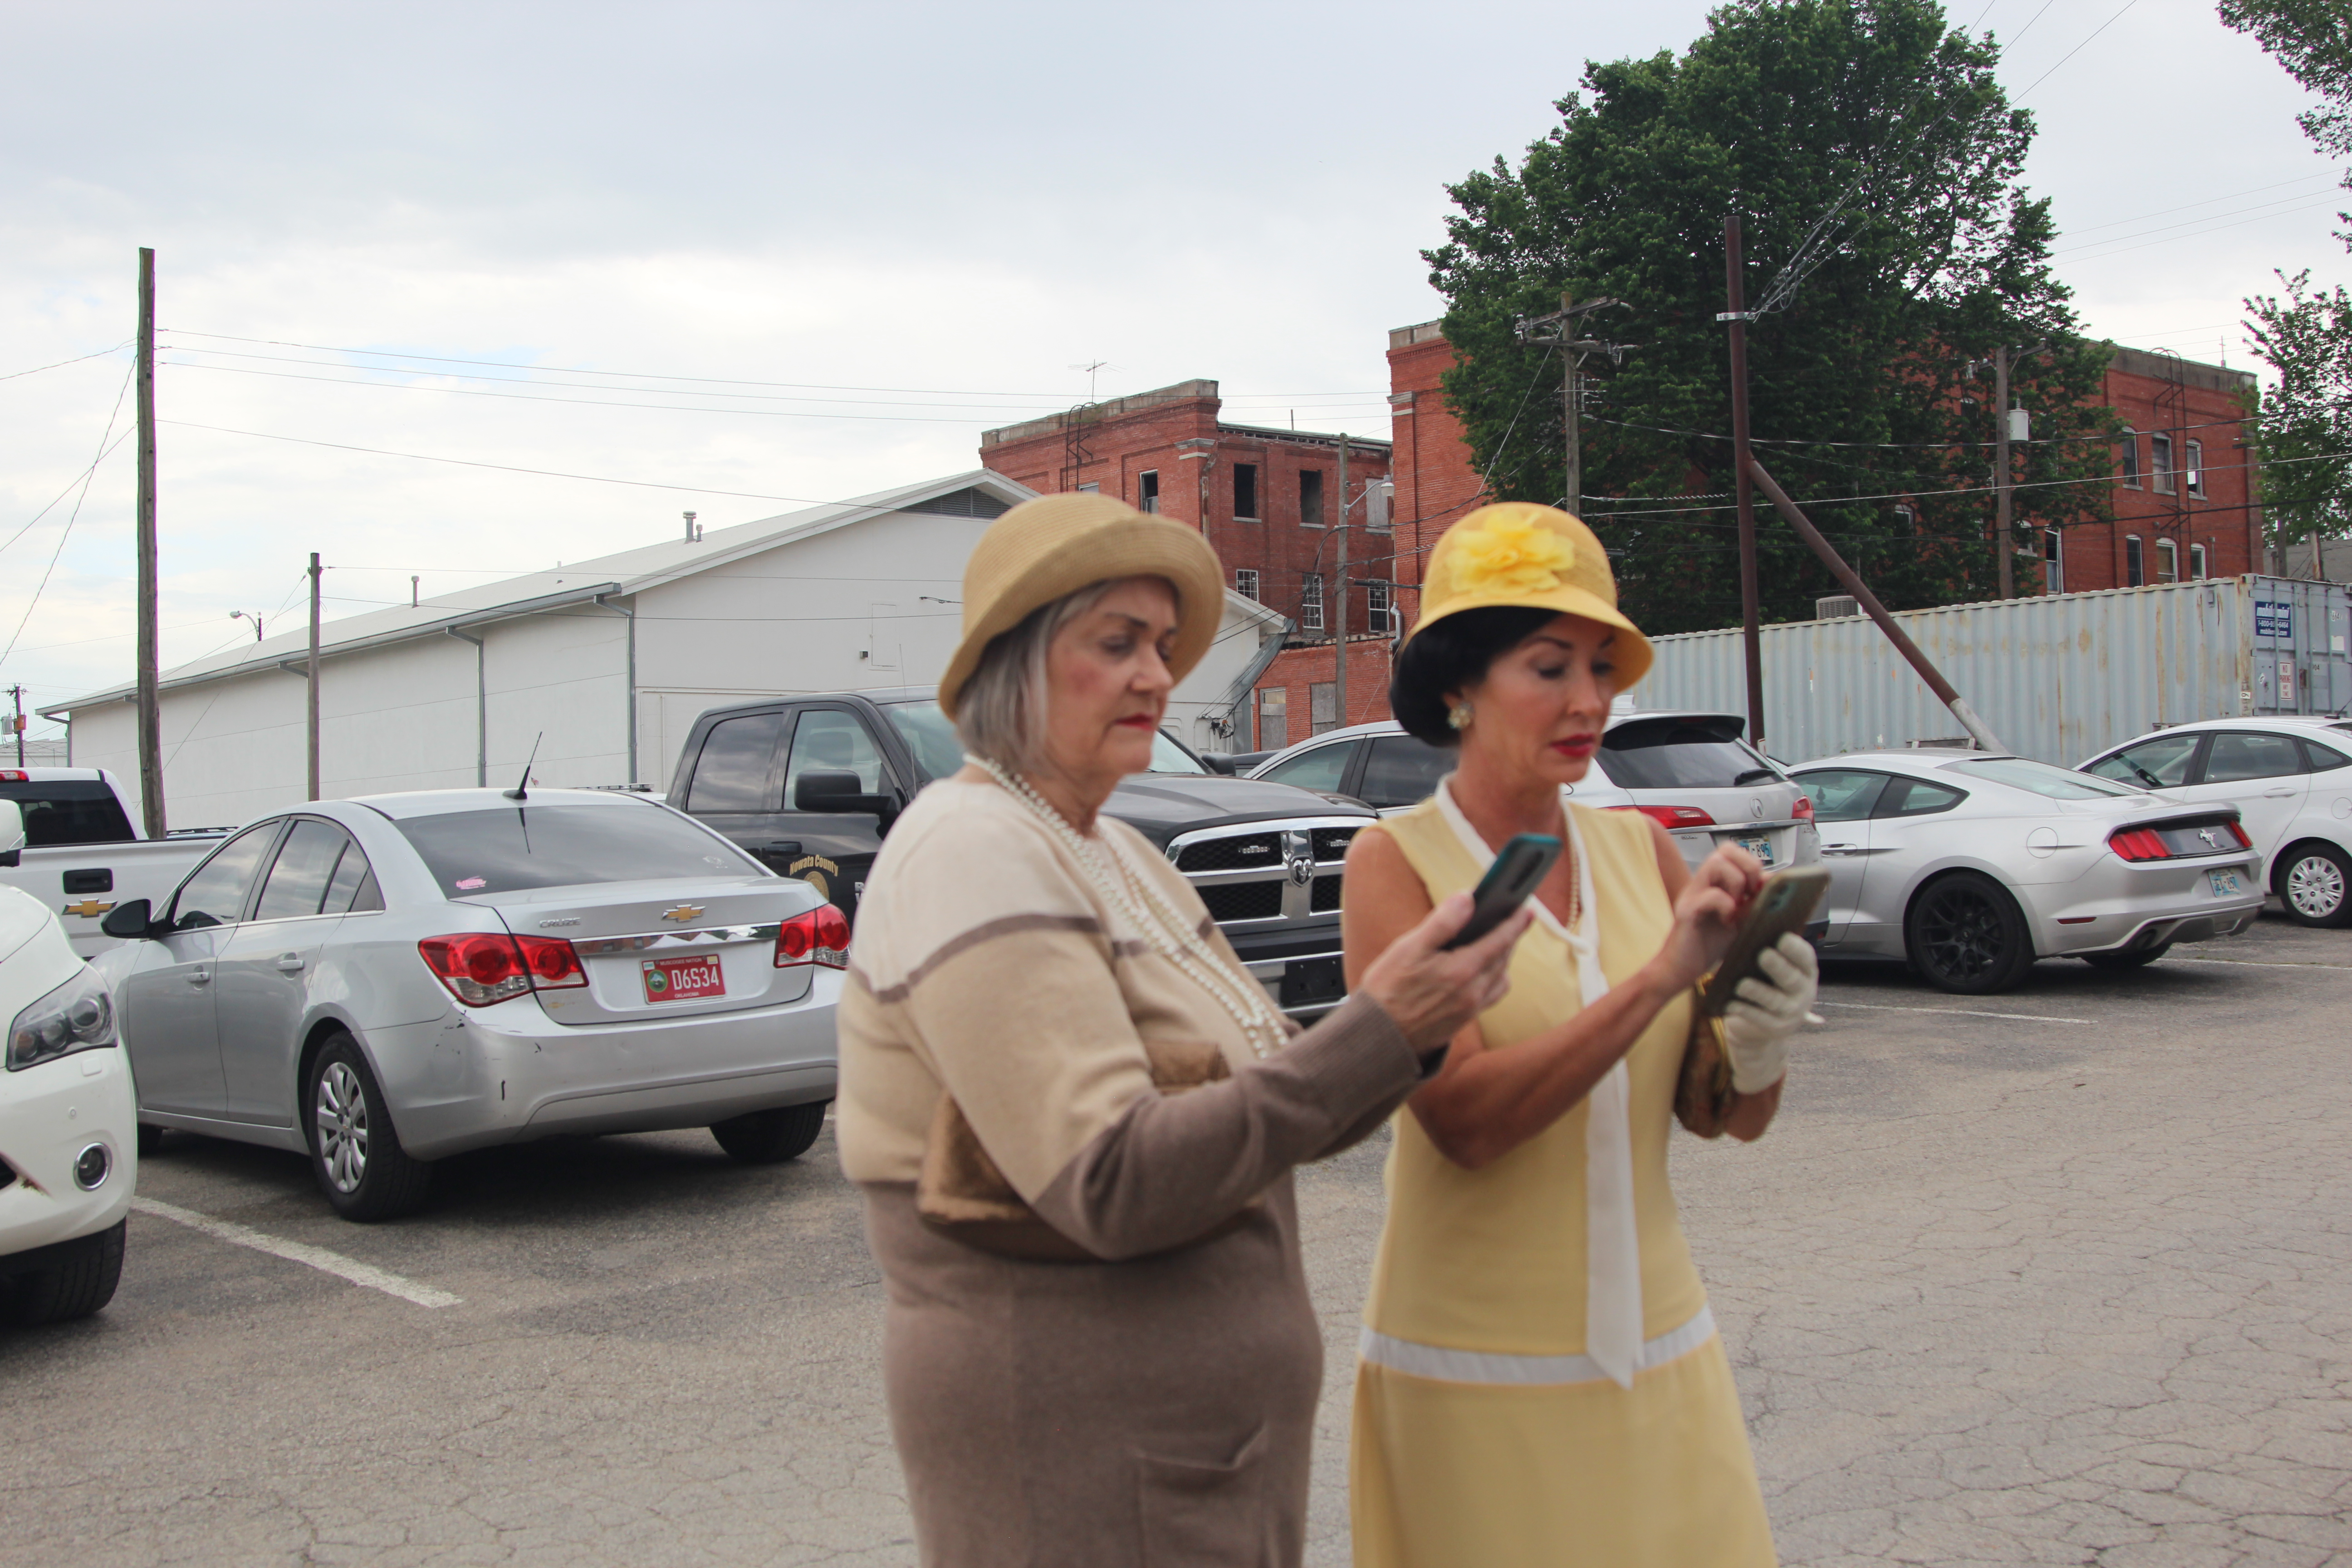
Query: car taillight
(15,775)
(483,967)
(1803,810)
(2138,844)
(819,936)
(2244,842)
(1676,815)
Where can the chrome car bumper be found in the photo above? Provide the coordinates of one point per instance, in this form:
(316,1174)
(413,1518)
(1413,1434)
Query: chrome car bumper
(506,1074)
(48,1115)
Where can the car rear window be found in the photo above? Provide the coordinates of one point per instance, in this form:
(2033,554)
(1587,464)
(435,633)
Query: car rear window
(69,811)
(525,846)
(1681,755)
(2021,773)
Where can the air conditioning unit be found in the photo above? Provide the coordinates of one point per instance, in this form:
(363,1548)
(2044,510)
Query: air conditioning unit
(1837,607)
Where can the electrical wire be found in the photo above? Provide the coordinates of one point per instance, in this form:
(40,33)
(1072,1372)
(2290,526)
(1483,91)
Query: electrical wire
(2069,54)
(105,444)
(78,479)
(78,359)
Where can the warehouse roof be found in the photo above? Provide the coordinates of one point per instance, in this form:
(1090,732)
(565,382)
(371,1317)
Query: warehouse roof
(978,493)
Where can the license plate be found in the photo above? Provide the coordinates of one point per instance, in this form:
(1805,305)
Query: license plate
(2226,884)
(1307,980)
(1759,847)
(683,979)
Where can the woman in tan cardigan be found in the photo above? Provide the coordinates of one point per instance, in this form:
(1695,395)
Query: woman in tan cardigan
(1073,1114)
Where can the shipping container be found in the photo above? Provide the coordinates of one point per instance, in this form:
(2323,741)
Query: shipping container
(2059,677)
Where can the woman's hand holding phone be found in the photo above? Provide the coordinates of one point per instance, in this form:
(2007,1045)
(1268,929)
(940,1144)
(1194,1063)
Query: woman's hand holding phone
(1708,911)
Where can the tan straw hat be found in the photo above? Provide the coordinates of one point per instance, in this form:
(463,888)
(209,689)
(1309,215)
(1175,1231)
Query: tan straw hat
(1047,549)
(1537,557)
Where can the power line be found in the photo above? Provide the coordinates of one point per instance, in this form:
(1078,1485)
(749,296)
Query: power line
(2069,54)
(76,359)
(88,475)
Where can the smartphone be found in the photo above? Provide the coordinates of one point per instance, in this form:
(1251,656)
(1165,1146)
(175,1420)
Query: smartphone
(1783,904)
(1518,870)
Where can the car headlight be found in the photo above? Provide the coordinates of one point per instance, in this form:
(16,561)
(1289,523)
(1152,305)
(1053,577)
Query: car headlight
(76,1017)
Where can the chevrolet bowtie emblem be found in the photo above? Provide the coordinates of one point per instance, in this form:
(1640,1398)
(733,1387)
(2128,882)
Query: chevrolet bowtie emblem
(89,908)
(683,912)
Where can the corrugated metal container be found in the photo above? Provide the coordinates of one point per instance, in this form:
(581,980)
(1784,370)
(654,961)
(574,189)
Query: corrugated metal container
(2061,677)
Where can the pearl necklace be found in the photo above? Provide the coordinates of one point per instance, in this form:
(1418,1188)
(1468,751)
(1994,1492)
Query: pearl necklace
(1164,927)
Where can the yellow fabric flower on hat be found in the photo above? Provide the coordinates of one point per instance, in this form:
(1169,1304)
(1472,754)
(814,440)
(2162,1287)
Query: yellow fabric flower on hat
(1511,555)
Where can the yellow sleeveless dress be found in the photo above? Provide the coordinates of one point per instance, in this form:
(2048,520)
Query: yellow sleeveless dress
(1491,1428)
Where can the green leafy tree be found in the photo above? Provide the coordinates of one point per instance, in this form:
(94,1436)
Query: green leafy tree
(2306,337)
(1890,247)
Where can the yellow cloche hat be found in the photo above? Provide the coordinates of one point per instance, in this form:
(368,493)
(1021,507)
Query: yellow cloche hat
(1047,549)
(1537,557)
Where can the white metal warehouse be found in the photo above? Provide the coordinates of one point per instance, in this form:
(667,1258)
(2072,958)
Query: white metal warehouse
(610,660)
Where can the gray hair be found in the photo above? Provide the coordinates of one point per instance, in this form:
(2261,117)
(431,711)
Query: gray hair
(1001,712)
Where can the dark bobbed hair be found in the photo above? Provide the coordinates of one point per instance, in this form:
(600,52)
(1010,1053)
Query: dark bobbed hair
(1450,655)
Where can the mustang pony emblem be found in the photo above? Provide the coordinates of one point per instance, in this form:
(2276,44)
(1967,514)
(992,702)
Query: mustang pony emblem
(683,912)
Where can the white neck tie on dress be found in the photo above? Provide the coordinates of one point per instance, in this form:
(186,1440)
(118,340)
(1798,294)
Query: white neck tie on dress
(1613,1251)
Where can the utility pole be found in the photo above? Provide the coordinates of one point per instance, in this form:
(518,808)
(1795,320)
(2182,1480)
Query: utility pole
(1339,631)
(1561,335)
(2000,475)
(1751,634)
(313,671)
(18,693)
(151,721)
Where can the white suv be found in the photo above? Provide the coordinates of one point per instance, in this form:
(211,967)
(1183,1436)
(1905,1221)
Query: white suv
(68,1116)
(1689,772)
(2290,779)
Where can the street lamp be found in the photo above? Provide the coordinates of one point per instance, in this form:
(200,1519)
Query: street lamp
(241,615)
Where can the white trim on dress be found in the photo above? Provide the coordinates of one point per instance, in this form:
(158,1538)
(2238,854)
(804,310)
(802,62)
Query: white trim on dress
(1444,1366)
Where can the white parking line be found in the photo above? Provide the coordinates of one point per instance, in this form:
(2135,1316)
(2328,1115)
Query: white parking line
(2257,963)
(1951,1012)
(317,1258)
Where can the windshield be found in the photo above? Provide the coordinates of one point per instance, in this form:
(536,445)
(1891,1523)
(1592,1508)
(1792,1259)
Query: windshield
(1680,755)
(514,848)
(2058,783)
(939,750)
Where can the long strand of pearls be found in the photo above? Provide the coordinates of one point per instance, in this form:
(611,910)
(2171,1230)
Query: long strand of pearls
(1162,926)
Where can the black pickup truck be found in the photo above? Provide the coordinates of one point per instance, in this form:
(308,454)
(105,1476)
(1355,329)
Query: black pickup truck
(810,784)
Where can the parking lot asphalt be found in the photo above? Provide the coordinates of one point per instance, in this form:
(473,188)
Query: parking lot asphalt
(2063,1276)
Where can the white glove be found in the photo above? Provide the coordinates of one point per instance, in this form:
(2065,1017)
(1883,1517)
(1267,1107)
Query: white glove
(1766,1010)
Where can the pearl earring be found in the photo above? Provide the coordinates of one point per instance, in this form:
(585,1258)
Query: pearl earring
(1458,716)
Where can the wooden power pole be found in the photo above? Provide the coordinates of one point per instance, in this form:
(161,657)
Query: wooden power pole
(2002,478)
(151,721)
(1339,633)
(1751,636)
(313,671)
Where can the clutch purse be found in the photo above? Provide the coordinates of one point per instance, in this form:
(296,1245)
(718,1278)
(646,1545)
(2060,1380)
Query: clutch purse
(1703,1094)
(961,1192)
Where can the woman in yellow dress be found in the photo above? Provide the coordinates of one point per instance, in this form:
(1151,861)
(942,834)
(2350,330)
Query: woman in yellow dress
(1540,1382)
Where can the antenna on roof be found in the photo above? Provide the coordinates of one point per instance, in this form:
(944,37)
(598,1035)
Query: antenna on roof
(522,790)
(693,533)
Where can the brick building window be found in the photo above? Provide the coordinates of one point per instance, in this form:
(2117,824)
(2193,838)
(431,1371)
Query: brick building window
(1310,602)
(1310,498)
(1273,719)
(2159,464)
(2127,458)
(1323,705)
(2167,560)
(1377,594)
(2197,563)
(2053,563)
(1245,582)
(2196,477)
(1245,492)
(2135,572)
(1147,490)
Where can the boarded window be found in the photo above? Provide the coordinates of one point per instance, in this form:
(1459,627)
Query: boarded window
(1273,719)
(2159,451)
(1323,705)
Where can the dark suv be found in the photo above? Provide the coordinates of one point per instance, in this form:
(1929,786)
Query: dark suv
(810,784)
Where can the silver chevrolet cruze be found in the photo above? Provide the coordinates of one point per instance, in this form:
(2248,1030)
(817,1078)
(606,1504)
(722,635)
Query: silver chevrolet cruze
(383,982)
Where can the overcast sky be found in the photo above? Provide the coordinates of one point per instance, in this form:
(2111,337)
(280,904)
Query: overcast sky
(877,229)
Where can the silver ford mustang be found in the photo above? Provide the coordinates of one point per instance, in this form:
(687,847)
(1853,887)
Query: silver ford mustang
(1971,867)
(382,982)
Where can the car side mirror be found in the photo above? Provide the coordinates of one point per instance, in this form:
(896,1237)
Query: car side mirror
(1218,762)
(132,921)
(12,833)
(841,792)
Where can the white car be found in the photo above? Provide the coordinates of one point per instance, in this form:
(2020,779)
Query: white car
(2290,779)
(1969,867)
(382,982)
(69,1119)
(1689,772)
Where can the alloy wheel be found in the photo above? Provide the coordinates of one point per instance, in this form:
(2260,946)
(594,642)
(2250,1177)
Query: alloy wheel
(1962,935)
(2315,886)
(342,1119)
